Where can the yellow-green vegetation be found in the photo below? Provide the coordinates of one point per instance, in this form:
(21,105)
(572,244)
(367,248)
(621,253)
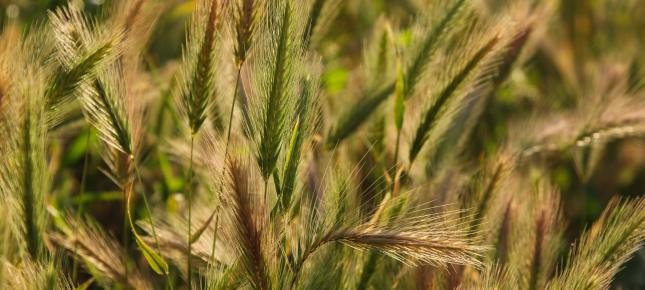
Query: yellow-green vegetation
(322,144)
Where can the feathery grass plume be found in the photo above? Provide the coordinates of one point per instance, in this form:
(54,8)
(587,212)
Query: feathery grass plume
(379,53)
(197,91)
(422,55)
(484,197)
(431,239)
(417,237)
(10,239)
(321,13)
(136,19)
(433,112)
(273,84)
(302,128)
(608,114)
(493,277)
(23,174)
(492,75)
(81,49)
(582,132)
(105,107)
(537,239)
(428,46)
(246,14)
(100,253)
(603,249)
(29,275)
(246,224)
(502,235)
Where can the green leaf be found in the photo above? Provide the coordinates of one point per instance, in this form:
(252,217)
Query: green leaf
(195,236)
(156,262)
(90,197)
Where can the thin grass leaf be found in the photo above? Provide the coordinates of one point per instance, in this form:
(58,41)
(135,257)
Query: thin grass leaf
(85,285)
(156,262)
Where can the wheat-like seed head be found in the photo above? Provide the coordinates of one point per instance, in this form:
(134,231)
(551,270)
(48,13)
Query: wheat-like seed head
(601,251)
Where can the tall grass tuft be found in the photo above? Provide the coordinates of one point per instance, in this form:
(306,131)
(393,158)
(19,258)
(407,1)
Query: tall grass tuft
(432,36)
(493,135)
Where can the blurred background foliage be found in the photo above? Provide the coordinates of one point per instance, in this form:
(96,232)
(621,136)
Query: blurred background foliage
(586,41)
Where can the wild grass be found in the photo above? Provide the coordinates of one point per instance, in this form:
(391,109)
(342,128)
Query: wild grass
(452,144)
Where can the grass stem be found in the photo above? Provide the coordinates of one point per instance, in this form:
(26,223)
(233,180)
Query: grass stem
(190,197)
(81,194)
(147,205)
(228,141)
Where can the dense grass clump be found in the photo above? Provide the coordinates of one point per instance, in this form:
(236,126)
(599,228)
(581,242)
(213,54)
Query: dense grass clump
(321,144)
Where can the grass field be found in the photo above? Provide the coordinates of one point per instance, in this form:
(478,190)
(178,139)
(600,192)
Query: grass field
(322,144)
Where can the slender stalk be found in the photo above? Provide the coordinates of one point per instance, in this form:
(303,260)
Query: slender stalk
(396,160)
(266,187)
(147,205)
(212,256)
(190,197)
(32,234)
(308,252)
(126,231)
(228,141)
(81,194)
(230,116)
